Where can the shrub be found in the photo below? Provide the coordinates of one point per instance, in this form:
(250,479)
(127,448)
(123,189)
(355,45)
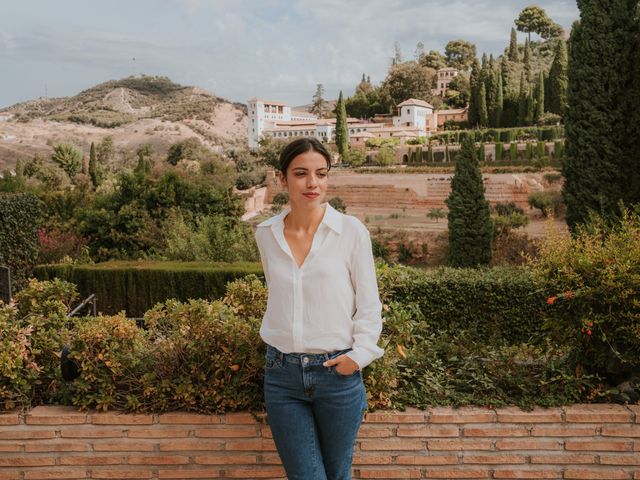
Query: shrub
(338,204)
(546,202)
(385,156)
(19,222)
(593,281)
(56,245)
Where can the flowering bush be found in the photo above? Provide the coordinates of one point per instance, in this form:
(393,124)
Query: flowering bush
(56,245)
(593,302)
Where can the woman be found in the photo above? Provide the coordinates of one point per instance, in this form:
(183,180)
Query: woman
(322,323)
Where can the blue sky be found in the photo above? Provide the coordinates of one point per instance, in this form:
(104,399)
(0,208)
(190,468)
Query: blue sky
(238,49)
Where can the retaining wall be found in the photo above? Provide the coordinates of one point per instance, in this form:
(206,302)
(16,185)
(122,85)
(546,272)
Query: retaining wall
(574,442)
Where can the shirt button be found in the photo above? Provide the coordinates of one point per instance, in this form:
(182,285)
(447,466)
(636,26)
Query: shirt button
(305,360)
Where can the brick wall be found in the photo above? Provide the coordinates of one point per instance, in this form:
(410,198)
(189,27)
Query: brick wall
(575,442)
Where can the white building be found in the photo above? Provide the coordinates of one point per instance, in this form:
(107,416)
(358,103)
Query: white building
(265,114)
(414,113)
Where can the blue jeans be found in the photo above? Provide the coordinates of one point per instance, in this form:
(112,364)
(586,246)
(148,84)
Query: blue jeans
(314,414)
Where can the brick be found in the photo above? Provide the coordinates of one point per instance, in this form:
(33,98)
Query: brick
(225,459)
(182,418)
(597,413)
(159,432)
(528,444)
(55,415)
(621,431)
(427,431)
(269,459)
(123,445)
(10,418)
(10,474)
(598,445)
(392,444)
(636,446)
(427,459)
(29,461)
(227,432)
(461,415)
(372,459)
(537,415)
(371,431)
(92,460)
(475,473)
(526,474)
(120,419)
(595,473)
(411,415)
(563,459)
(240,419)
(183,473)
(190,444)
(395,473)
(11,447)
(121,474)
(64,474)
(58,445)
(635,410)
(265,432)
(459,444)
(91,432)
(257,444)
(494,458)
(157,460)
(496,431)
(25,433)
(631,459)
(564,431)
(263,472)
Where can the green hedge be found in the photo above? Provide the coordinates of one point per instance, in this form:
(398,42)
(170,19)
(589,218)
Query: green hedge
(19,221)
(499,304)
(137,286)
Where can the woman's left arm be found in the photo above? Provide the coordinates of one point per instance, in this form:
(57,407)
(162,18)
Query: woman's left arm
(368,317)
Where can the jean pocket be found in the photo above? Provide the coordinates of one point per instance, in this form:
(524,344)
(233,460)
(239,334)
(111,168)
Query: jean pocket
(337,373)
(272,359)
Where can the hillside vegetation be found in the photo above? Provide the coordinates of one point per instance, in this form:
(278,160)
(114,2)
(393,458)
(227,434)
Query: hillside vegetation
(118,102)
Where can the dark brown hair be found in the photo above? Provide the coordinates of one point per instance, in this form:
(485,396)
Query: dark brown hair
(300,146)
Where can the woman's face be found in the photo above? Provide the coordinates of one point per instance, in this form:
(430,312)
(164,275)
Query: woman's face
(306,179)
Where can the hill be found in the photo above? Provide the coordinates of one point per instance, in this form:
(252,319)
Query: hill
(133,110)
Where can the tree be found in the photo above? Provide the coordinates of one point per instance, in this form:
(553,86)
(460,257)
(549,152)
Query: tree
(318,105)
(527,60)
(342,130)
(68,157)
(470,227)
(600,165)
(364,87)
(499,102)
(460,54)
(483,115)
(94,168)
(522,102)
(419,54)
(513,46)
(397,54)
(434,59)
(459,91)
(474,88)
(540,98)
(535,19)
(408,80)
(105,151)
(558,82)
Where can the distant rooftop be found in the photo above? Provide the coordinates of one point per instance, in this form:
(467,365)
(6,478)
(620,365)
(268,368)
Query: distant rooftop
(415,101)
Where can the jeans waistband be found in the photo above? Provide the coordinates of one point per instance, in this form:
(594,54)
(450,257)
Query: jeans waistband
(305,358)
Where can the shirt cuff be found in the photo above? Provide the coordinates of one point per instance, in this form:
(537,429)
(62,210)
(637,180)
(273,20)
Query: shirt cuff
(364,357)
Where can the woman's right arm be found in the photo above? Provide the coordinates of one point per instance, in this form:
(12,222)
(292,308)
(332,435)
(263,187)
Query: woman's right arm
(263,257)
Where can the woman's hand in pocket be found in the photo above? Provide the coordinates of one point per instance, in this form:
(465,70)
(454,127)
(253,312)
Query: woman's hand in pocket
(344,365)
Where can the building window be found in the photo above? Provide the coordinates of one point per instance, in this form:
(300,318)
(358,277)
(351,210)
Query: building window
(407,111)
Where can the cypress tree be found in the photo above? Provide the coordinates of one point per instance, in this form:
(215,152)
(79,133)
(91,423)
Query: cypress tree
(474,86)
(531,108)
(483,118)
(558,82)
(513,46)
(597,164)
(540,98)
(499,102)
(470,228)
(504,70)
(93,166)
(527,60)
(522,102)
(342,132)
(85,167)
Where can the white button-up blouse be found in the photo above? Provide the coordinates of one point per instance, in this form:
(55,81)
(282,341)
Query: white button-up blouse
(331,302)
